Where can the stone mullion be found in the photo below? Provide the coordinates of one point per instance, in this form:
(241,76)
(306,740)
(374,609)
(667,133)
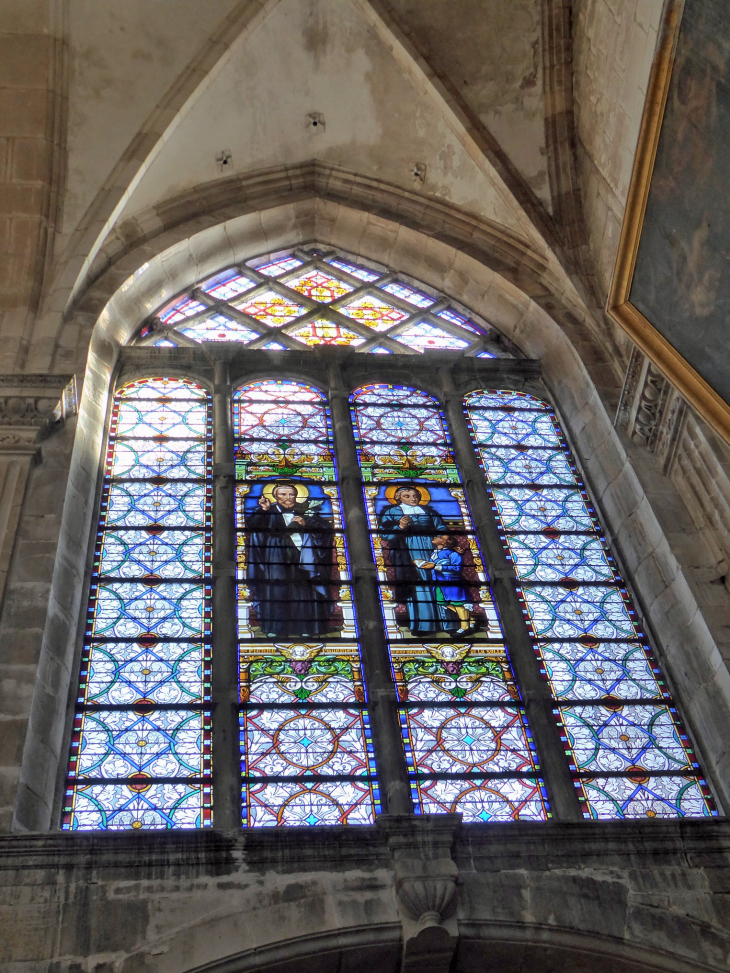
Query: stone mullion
(535,692)
(226,758)
(381,694)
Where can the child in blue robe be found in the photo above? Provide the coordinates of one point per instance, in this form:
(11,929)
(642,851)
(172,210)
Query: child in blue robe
(446,563)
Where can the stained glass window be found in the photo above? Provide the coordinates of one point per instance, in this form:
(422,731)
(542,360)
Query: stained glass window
(467,743)
(141,745)
(306,749)
(140,748)
(312,298)
(630,756)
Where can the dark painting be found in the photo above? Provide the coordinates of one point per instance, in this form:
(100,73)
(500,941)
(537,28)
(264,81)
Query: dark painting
(681,283)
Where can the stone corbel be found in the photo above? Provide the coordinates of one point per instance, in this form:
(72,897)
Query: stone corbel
(425,880)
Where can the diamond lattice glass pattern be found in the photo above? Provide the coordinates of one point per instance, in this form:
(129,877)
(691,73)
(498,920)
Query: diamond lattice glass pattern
(217,327)
(140,748)
(319,286)
(306,748)
(271,308)
(340,302)
(467,743)
(374,313)
(629,755)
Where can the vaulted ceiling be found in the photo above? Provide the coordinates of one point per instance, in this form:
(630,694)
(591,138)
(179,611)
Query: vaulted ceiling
(487,106)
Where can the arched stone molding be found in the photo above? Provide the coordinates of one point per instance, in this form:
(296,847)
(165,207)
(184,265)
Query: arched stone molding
(483,947)
(684,640)
(307,188)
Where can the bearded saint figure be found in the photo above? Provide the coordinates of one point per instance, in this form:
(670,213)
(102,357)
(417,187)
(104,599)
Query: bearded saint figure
(290,565)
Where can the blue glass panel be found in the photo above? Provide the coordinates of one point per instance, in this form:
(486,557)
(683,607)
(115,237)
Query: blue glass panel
(483,801)
(623,670)
(275,268)
(409,294)
(168,673)
(547,508)
(624,737)
(141,459)
(118,744)
(500,428)
(120,610)
(181,309)
(308,804)
(582,621)
(140,749)
(557,613)
(137,553)
(523,465)
(362,272)
(580,557)
(448,314)
(227,285)
(138,804)
(305,741)
(466,740)
(645,797)
(169,504)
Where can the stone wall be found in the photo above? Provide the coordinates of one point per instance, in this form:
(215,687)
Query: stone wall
(415,894)
(620,897)
(35,453)
(684,642)
(614,43)
(32,134)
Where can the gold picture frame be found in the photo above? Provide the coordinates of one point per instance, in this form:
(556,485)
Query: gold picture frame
(697,392)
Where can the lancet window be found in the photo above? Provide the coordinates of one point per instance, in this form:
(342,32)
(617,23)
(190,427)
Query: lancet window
(343,596)
(467,743)
(141,738)
(306,746)
(629,753)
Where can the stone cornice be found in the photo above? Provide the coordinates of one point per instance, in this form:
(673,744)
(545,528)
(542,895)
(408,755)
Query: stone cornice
(28,403)
(488,847)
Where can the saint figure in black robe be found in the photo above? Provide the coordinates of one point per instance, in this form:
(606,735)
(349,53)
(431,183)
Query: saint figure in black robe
(290,564)
(409,527)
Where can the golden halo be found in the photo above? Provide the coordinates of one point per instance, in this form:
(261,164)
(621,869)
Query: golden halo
(268,491)
(390,491)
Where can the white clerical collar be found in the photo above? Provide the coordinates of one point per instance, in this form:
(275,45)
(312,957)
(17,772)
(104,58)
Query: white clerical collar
(407,508)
